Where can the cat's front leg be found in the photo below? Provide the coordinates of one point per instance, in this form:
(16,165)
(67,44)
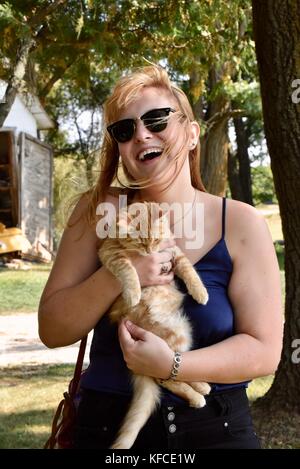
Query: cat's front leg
(185,391)
(203,388)
(185,270)
(127,275)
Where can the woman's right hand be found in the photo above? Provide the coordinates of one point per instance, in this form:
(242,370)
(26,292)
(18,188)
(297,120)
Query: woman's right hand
(149,267)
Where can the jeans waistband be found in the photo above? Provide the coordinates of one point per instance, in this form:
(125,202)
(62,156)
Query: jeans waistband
(217,404)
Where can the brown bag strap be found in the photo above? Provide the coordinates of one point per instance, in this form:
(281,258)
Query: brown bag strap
(78,367)
(57,420)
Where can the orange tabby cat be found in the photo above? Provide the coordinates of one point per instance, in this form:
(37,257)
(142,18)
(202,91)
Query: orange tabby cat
(154,308)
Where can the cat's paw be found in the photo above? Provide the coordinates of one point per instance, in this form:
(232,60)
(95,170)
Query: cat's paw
(200,295)
(203,388)
(121,443)
(132,298)
(197,401)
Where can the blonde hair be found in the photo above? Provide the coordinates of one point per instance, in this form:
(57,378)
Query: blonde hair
(126,91)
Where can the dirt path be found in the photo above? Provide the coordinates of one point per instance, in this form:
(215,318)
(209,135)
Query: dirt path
(20,344)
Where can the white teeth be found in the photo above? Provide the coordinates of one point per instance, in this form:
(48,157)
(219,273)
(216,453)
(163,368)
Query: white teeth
(142,155)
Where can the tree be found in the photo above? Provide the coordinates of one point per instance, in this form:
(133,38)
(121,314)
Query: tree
(202,43)
(245,94)
(277,37)
(78,110)
(29,31)
(263,185)
(216,41)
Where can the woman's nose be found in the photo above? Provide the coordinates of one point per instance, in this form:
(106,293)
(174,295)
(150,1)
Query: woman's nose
(141,131)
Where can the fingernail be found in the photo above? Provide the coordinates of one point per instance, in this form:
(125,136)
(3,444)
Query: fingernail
(128,323)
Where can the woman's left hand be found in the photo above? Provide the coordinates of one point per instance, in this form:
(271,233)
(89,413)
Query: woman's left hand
(144,352)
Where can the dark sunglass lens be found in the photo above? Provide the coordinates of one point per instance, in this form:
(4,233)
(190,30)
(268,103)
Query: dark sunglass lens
(123,131)
(156,120)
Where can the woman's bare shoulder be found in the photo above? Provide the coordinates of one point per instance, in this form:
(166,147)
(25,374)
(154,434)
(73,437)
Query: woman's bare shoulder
(239,214)
(244,225)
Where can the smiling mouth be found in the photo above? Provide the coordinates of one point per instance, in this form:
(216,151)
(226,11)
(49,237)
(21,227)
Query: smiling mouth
(149,154)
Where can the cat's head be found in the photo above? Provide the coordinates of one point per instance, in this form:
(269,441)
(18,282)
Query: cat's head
(142,226)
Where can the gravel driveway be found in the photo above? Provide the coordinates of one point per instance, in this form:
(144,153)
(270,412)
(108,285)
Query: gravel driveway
(20,344)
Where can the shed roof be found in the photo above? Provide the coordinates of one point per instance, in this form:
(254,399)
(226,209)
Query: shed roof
(34,105)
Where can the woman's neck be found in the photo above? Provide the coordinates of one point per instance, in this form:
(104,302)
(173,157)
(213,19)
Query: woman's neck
(182,194)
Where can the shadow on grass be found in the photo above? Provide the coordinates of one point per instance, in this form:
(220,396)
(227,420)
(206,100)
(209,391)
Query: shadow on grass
(280,430)
(36,389)
(24,430)
(39,371)
(28,428)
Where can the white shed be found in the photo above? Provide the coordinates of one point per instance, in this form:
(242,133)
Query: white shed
(26,174)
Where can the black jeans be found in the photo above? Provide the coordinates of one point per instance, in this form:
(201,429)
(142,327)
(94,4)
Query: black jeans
(225,422)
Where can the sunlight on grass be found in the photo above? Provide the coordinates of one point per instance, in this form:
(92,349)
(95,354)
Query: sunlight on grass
(274,223)
(36,429)
(259,386)
(20,291)
(29,397)
(273,219)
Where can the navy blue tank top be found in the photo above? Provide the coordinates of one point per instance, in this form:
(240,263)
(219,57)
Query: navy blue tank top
(211,323)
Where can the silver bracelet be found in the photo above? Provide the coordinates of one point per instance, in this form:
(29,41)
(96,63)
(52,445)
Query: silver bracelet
(176,364)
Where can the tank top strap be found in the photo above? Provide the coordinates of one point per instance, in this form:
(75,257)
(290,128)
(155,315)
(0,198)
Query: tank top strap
(223,216)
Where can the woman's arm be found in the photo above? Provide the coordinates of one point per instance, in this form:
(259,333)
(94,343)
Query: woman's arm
(78,291)
(255,295)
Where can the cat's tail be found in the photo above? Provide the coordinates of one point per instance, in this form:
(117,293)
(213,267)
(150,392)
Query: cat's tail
(145,397)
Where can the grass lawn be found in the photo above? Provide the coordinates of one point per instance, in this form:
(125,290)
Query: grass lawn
(28,398)
(20,290)
(30,395)
(272,216)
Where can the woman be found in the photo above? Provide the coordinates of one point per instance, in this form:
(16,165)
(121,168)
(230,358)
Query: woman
(237,334)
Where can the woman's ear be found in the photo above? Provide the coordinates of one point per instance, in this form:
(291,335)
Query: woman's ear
(194,134)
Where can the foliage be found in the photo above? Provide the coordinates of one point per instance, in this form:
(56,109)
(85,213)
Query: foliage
(84,40)
(69,181)
(263,185)
(279,248)
(81,47)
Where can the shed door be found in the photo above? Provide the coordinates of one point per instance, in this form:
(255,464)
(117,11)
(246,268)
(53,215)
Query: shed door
(36,192)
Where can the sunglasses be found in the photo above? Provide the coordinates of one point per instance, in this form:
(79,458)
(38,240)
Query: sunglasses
(155,120)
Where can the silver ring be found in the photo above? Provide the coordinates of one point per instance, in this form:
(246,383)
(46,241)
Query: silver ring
(164,269)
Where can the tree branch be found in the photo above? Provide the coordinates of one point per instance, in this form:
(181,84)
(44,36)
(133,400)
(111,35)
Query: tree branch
(219,117)
(43,12)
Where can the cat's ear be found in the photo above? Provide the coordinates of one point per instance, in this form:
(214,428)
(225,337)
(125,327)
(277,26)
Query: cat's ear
(161,225)
(123,222)
(125,225)
(122,227)
(164,216)
(158,211)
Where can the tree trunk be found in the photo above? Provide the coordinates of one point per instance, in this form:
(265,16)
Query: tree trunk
(234,177)
(89,165)
(16,80)
(243,160)
(214,144)
(277,38)
(15,83)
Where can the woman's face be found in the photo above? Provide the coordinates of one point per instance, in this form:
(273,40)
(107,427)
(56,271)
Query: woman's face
(144,141)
